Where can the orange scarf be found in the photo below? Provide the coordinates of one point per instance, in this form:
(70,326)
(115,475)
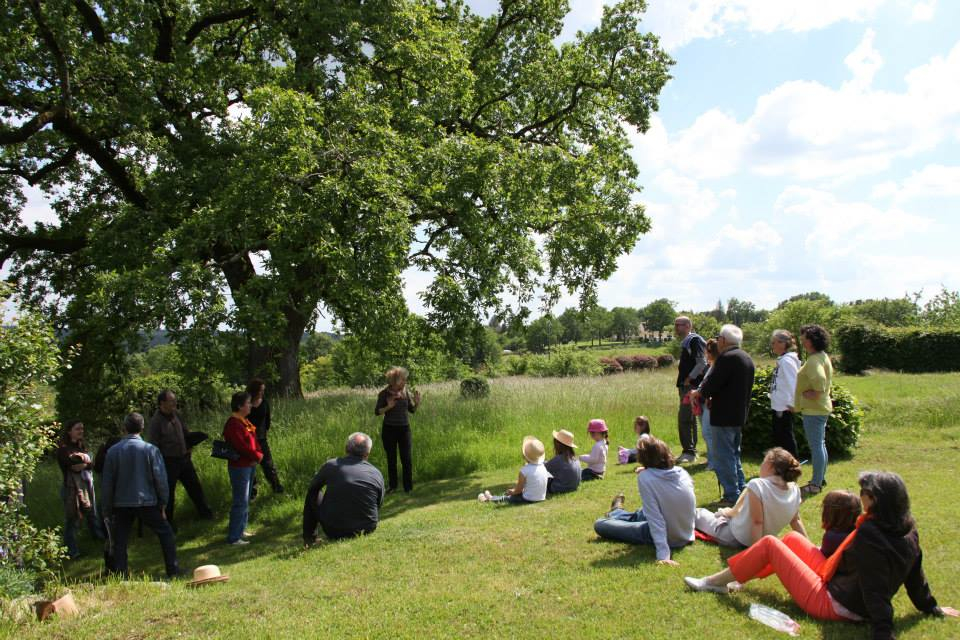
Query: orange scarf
(828,568)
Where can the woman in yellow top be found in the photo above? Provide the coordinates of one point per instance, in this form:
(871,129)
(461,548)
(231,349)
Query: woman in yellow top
(812,399)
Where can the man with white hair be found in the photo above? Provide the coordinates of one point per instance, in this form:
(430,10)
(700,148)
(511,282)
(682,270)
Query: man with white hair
(693,362)
(350,506)
(729,387)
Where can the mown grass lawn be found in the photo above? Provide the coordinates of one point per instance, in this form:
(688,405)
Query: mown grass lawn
(443,565)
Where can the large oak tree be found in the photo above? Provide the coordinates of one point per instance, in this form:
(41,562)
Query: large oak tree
(246,163)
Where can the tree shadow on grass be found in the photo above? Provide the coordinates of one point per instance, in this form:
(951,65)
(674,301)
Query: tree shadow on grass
(434,492)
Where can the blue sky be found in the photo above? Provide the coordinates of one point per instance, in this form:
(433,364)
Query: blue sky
(802,145)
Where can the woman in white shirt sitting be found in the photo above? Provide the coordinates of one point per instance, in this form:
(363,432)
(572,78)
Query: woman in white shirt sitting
(767,505)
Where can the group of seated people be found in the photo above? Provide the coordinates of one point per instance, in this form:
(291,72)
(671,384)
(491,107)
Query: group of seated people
(870,545)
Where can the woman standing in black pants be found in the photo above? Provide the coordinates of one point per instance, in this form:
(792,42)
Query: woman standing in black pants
(260,417)
(394,403)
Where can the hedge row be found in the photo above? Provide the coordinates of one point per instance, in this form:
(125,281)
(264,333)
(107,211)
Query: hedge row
(909,349)
(619,364)
(843,427)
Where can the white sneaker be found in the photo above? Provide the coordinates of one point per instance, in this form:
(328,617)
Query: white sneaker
(241,541)
(481,497)
(701,584)
(686,457)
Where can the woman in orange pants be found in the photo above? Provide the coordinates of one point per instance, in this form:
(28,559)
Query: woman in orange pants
(860,579)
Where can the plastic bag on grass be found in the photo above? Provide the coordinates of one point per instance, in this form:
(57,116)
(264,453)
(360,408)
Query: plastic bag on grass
(774,619)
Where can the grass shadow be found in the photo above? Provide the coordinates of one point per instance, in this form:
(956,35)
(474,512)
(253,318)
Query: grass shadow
(432,493)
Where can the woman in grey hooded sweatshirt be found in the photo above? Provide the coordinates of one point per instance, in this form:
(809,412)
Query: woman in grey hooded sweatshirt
(669,505)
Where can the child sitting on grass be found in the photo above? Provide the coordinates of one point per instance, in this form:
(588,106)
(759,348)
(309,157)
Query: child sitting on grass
(531,483)
(596,460)
(840,512)
(641,427)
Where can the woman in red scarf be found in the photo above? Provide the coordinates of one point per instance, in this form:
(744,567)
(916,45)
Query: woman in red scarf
(242,436)
(860,579)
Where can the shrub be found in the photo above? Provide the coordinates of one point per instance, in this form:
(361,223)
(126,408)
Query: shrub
(644,362)
(665,360)
(611,365)
(474,387)
(843,427)
(29,359)
(317,374)
(626,362)
(517,365)
(912,349)
(564,362)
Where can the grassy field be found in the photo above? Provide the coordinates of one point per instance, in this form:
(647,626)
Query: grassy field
(443,565)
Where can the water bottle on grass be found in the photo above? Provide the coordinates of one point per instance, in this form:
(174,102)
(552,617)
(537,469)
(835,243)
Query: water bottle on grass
(774,619)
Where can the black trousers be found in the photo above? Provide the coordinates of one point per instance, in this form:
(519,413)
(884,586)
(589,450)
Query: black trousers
(395,438)
(182,470)
(269,469)
(123,518)
(687,424)
(783,432)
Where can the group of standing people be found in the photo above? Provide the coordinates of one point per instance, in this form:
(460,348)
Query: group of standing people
(140,476)
(715,381)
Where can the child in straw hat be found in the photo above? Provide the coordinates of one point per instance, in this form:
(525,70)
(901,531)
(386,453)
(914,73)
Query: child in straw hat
(531,483)
(564,466)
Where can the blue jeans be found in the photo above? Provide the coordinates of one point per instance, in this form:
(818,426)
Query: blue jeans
(624,526)
(240,481)
(816,429)
(71,525)
(726,461)
(707,432)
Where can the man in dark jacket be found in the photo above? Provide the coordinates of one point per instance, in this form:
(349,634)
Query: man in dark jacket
(168,432)
(729,387)
(693,362)
(135,486)
(350,506)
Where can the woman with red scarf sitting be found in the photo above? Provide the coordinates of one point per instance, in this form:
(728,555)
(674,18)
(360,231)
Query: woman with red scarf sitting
(860,579)
(242,436)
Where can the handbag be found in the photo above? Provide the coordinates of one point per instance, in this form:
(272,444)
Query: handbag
(222,449)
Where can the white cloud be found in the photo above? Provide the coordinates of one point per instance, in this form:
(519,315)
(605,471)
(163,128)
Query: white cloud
(678,22)
(933,181)
(805,130)
(836,229)
(864,61)
(923,11)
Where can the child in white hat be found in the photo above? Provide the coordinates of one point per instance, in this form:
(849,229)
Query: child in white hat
(531,483)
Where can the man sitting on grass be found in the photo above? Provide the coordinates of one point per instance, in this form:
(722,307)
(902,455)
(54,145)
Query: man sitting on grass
(350,506)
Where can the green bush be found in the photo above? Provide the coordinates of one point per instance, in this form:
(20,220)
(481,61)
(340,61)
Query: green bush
(15,582)
(517,365)
(474,387)
(318,374)
(563,362)
(29,360)
(843,427)
(910,349)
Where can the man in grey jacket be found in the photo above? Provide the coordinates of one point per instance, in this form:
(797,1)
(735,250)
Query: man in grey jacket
(135,486)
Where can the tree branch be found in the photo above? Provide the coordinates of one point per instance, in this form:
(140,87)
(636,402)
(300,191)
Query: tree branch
(61,60)
(206,22)
(163,52)
(93,21)
(104,159)
(38,241)
(36,177)
(38,122)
